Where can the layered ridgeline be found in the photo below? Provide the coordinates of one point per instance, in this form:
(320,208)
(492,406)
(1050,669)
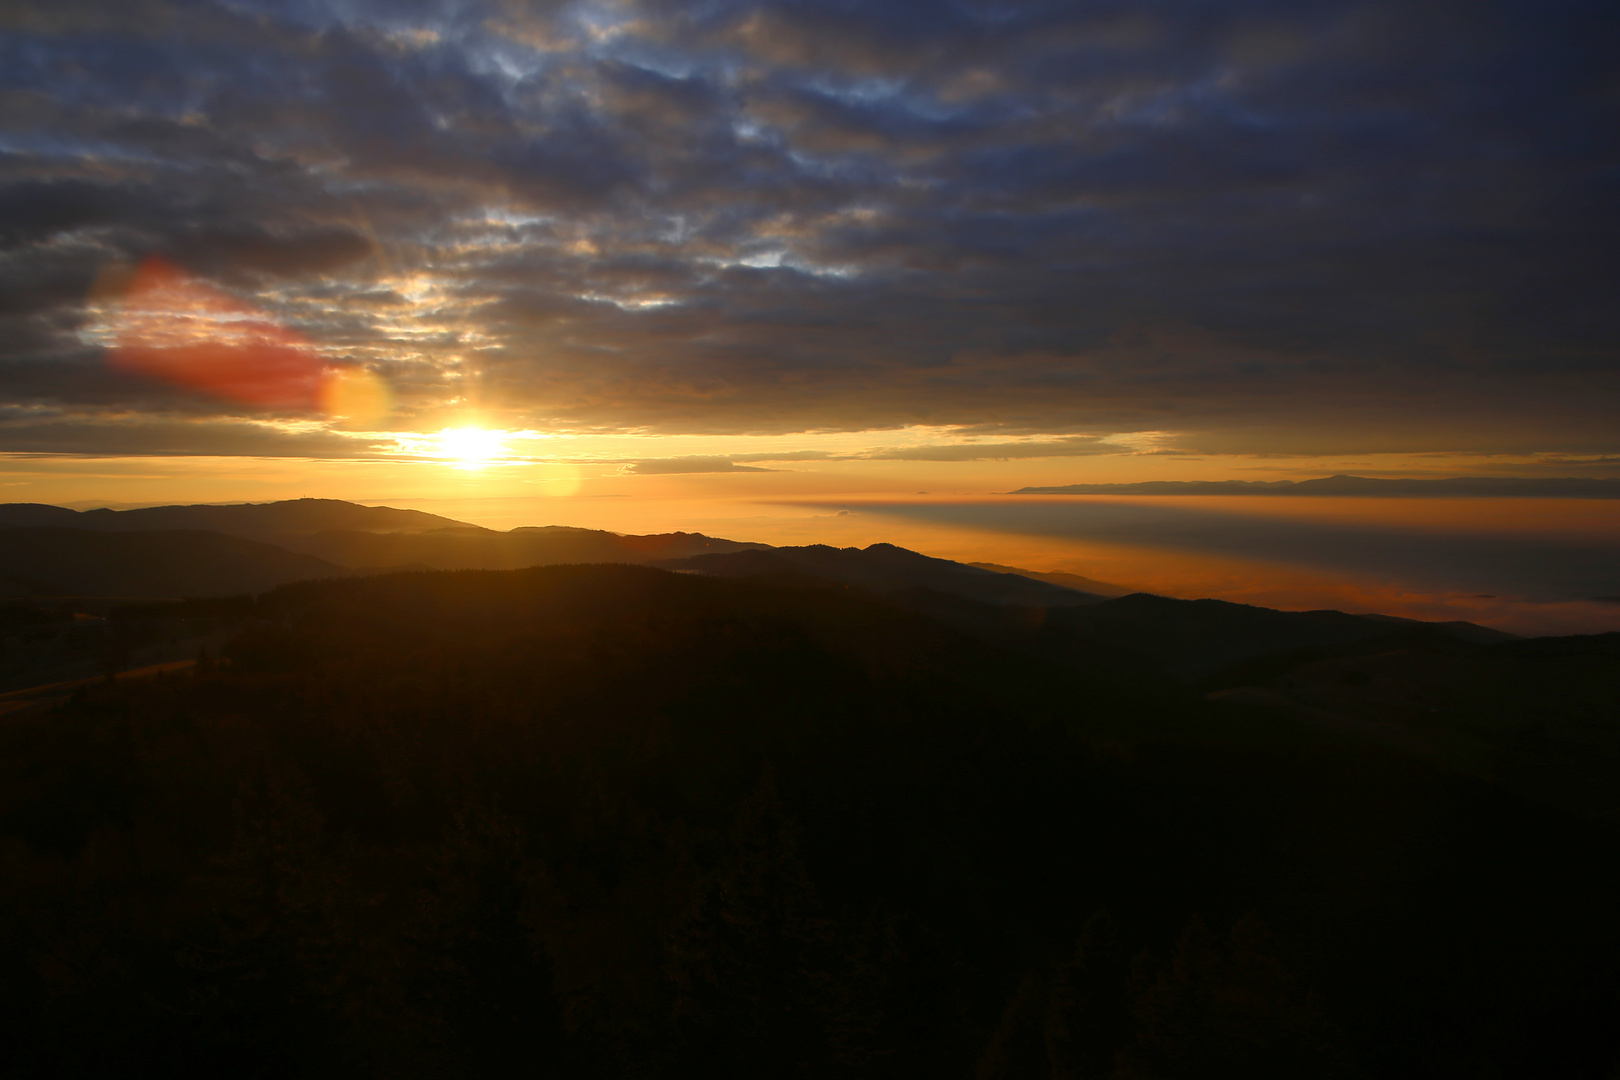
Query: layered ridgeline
(245,549)
(619,821)
(88,599)
(334,538)
(217,551)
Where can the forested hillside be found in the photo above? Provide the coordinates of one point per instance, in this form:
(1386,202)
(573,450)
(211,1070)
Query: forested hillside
(78,562)
(609,821)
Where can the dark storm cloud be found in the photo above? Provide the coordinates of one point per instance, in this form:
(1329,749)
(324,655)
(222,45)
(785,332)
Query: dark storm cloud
(1334,225)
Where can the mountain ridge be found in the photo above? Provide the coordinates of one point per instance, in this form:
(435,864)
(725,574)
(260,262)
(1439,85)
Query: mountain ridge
(885,568)
(249,520)
(377,537)
(117,556)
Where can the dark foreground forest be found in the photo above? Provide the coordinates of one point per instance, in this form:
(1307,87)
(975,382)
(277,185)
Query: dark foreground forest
(610,821)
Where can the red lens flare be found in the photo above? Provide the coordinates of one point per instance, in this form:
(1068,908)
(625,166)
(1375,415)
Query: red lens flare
(168,325)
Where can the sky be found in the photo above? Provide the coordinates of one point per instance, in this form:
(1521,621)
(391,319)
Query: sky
(640,264)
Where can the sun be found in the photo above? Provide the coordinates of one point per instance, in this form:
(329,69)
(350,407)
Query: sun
(471,447)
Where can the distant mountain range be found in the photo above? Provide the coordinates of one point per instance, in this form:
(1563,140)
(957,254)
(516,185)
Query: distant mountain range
(217,551)
(346,537)
(1568,487)
(255,521)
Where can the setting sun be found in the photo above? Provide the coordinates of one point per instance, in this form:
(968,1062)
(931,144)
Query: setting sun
(472,447)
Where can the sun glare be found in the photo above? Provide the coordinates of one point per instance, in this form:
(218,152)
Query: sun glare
(472,447)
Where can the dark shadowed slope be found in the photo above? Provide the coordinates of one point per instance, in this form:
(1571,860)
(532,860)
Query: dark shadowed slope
(637,825)
(1195,638)
(81,562)
(1539,715)
(884,568)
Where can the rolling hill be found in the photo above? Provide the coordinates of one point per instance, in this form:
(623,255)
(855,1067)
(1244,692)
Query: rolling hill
(884,568)
(254,547)
(252,521)
(1194,638)
(637,823)
(172,563)
(349,535)
(1187,639)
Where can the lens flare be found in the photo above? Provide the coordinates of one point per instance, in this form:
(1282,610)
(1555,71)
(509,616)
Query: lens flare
(166,324)
(356,396)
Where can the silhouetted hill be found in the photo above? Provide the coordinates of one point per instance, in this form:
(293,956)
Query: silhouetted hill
(1058,577)
(35,515)
(615,822)
(1189,641)
(1456,629)
(1186,638)
(1195,638)
(82,562)
(254,521)
(347,534)
(884,568)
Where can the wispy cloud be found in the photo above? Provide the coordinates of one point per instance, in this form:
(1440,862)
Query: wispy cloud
(665,466)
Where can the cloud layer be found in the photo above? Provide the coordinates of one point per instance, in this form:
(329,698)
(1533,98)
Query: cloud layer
(1306,227)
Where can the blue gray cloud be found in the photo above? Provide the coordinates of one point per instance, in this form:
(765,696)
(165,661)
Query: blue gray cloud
(1327,225)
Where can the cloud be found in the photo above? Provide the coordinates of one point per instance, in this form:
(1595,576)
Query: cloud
(785,455)
(966,451)
(1083,446)
(1333,226)
(177,436)
(666,466)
